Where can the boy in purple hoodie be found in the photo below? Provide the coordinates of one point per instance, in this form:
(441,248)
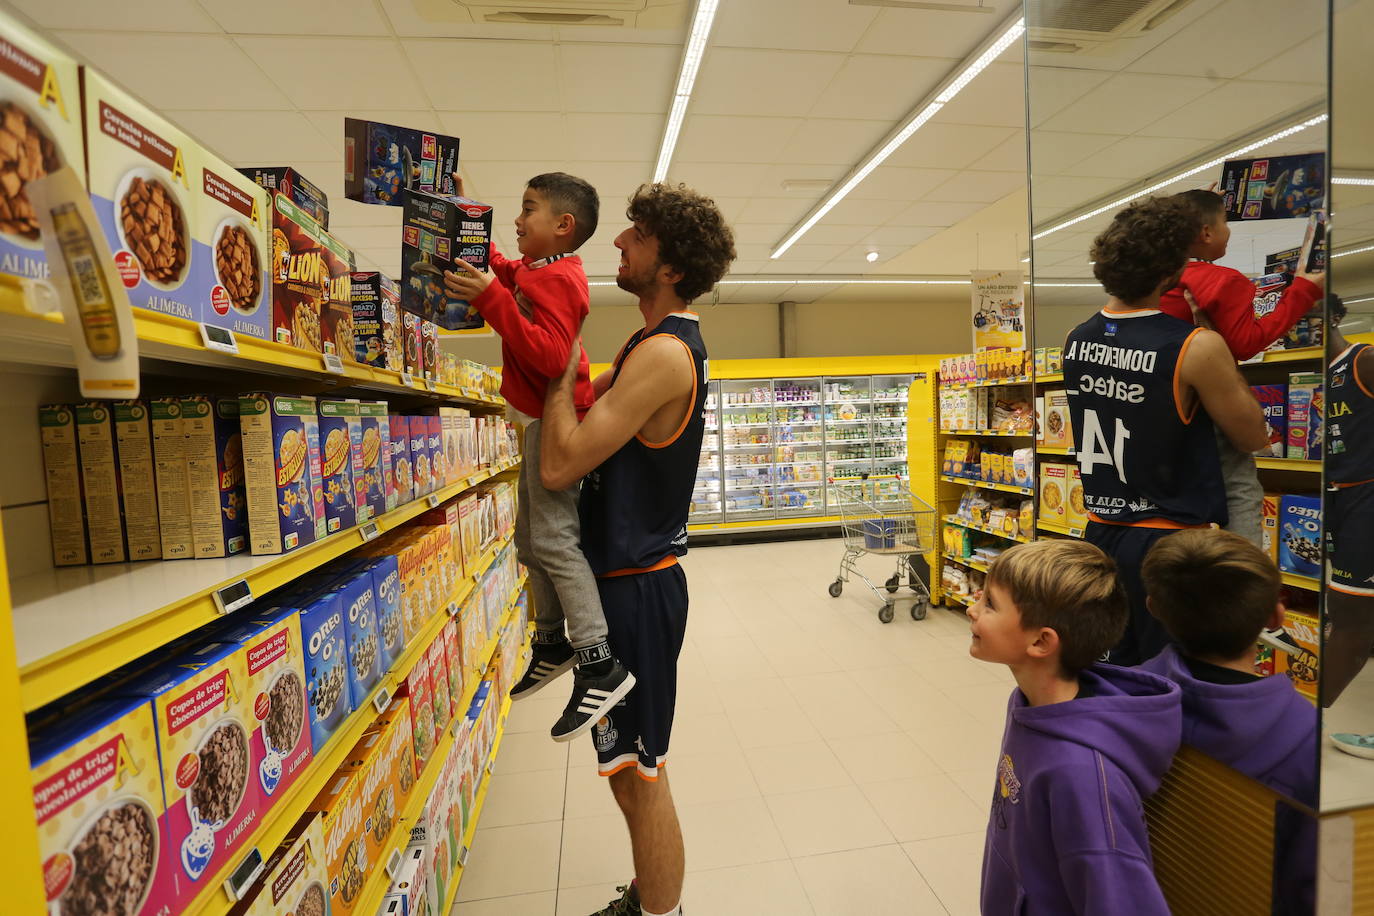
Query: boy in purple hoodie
(1084,745)
(1214,591)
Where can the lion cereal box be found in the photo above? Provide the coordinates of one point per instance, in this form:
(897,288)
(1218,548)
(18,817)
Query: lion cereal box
(336,310)
(296,188)
(340,464)
(377,320)
(229,248)
(281,463)
(374,448)
(214,469)
(345,844)
(300,279)
(99,481)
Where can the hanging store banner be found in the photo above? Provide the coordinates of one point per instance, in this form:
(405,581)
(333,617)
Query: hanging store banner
(999,310)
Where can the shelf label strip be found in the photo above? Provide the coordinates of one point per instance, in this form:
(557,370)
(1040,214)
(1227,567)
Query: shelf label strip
(242,878)
(333,363)
(230,598)
(382,700)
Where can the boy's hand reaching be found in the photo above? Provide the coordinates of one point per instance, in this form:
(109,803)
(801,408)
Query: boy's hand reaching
(457,184)
(467,283)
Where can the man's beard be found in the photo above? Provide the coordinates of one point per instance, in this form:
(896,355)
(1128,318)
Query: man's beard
(638,284)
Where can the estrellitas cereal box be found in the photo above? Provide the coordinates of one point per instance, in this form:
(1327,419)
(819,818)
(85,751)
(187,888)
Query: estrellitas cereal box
(374,449)
(229,246)
(204,720)
(40,132)
(141,188)
(345,846)
(97,794)
(281,465)
(294,880)
(338,421)
(300,280)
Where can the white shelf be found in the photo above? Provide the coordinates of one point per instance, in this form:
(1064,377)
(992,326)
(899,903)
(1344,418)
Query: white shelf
(743,447)
(747,425)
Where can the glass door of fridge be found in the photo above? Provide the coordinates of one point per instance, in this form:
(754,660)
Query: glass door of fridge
(708,503)
(746,428)
(799,458)
(847,404)
(890,396)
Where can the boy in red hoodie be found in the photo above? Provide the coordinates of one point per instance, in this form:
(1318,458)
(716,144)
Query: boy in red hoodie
(1225,300)
(538,308)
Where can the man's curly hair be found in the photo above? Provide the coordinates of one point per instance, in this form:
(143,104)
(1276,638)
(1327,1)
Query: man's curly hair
(692,235)
(1146,244)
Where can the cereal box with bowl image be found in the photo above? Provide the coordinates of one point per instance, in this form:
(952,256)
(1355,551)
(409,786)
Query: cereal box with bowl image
(1300,535)
(377,320)
(359,602)
(1302,667)
(340,464)
(294,880)
(324,636)
(229,248)
(300,280)
(383,160)
(299,190)
(204,719)
(383,757)
(444,701)
(97,794)
(429,349)
(141,187)
(214,469)
(436,231)
(412,344)
(375,449)
(280,747)
(336,309)
(40,132)
(1075,508)
(1054,493)
(281,465)
(345,845)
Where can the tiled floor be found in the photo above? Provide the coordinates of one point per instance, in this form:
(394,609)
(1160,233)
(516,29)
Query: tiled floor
(822,762)
(1349,781)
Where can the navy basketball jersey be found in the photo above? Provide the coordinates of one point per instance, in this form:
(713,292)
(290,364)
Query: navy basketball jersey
(634,506)
(1141,457)
(1349,422)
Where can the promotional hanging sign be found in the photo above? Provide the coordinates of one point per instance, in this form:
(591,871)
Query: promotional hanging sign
(999,310)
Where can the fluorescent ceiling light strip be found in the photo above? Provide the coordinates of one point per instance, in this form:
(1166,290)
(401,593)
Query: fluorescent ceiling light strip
(692,54)
(851,281)
(1341,254)
(923,114)
(1362,299)
(1210,164)
(1359,182)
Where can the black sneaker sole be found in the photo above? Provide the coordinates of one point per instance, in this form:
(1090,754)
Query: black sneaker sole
(564,668)
(602,707)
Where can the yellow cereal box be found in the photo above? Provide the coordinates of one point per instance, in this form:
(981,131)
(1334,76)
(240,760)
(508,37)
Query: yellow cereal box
(345,845)
(1269,525)
(1075,510)
(378,758)
(1054,493)
(294,880)
(1303,667)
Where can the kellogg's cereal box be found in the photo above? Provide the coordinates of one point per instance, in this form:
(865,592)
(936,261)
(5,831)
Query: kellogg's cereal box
(214,467)
(417,687)
(377,320)
(345,844)
(300,279)
(400,479)
(439,684)
(339,426)
(229,246)
(453,660)
(374,448)
(294,881)
(324,636)
(379,756)
(281,462)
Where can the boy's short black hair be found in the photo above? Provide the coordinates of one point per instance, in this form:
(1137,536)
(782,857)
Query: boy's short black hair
(1213,591)
(1336,308)
(570,194)
(1146,244)
(693,237)
(1205,205)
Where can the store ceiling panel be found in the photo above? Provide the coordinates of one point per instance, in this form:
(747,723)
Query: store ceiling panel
(619,78)
(133,15)
(297,17)
(478,75)
(716,138)
(829,141)
(739,81)
(335,73)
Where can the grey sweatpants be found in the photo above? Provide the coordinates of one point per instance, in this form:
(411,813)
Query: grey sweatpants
(547,536)
(1244,495)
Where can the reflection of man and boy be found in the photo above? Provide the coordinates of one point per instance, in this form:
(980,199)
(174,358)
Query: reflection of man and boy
(1164,426)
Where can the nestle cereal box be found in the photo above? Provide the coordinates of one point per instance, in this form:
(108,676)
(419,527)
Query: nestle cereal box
(303,193)
(339,422)
(1302,667)
(1274,401)
(294,881)
(229,248)
(280,743)
(359,602)
(214,468)
(325,640)
(41,131)
(417,687)
(386,584)
(141,188)
(99,481)
(336,311)
(204,723)
(62,475)
(1300,531)
(300,280)
(377,320)
(374,449)
(400,478)
(282,472)
(345,844)
(137,483)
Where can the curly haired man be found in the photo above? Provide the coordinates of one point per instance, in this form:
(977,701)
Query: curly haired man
(1136,378)
(638,448)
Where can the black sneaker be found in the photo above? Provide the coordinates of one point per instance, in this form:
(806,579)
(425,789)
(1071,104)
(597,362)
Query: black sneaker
(592,698)
(547,661)
(627,905)
(1280,640)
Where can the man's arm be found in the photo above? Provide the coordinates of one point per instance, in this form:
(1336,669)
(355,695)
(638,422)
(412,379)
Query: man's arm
(1208,375)
(659,372)
(1230,305)
(602,383)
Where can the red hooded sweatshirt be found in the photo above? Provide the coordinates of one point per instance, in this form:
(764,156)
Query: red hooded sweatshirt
(1228,298)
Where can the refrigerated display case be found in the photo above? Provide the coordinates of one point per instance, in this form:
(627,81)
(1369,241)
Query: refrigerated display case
(746,435)
(799,453)
(707,503)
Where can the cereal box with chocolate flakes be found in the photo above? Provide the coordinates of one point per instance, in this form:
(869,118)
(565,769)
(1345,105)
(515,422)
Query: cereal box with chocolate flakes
(62,475)
(170,472)
(345,843)
(141,186)
(336,311)
(359,602)
(299,277)
(204,723)
(229,248)
(214,464)
(282,471)
(339,425)
(374,448)
(377,320)
(294,879)
(429,349)
(299,190)
(436,231)
(400,478)
(434,439)
(383,160)
(99,481)
(412,344)
(40,131)
(324,637)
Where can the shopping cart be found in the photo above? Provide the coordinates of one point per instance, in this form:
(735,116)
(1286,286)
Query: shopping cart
(880,515)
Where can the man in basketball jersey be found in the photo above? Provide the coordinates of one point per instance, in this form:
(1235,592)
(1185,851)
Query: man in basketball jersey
(1136,379)
(638,448)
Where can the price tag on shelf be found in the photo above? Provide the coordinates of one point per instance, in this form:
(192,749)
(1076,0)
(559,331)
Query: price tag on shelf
(242,878)
(221,339)
(453,608)
(463,856)
(333,363)
(431,384)
(370,532)
(382,700)
(432,500)
(393,863)
(407,379)
(232,597)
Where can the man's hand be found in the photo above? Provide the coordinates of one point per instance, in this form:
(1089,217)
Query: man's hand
(1200,318)
(1317,276)
(467,283)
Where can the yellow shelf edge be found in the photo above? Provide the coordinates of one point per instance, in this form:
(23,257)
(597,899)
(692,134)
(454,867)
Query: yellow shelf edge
(966,600)
(1305,465)
(479,802)
(988,485)
(988,383)
(1055,449)
(1057,528)
(1304,582)
(1002,433)
(1299,354)
(58,674)
(1049,377)
(963,523)
(964,561)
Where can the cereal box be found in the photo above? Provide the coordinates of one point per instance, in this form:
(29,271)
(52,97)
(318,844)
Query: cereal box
(137,484)
(280,746)
(339,424)
(345,844)
(408,893)
(436,230)
(324,636)
(453,465)
(446,516)
(359,602)
(386,584)
(417,687)
(305,195)
(1304,414)
(434,440)
(336,311)
(420,457)
(214,468)
(400,479)
(294,881)
(229,248)
(470,527)
(97,794)
(1303,666)
(1054,491)
(141,188)
(62,474)
(453,659)
(300,279)
(1076,512)
(376,320)
(412,344)
(399,724)
(374,447)
(1269,525)
(437,659)
(170,472)
(429,349)
(1058,429)
(1300,531)
(40,98)
(204,721)
(99,481)
(383,757)
(380,160)
(281,462)
(1274,400)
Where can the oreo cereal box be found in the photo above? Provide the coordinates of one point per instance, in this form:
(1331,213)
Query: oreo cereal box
(382,160)
(436,231)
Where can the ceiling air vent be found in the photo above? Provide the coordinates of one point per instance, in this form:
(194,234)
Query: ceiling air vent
(543,18)
(1072,26)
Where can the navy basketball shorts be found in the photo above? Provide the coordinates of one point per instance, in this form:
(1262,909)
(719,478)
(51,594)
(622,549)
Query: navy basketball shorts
(646,616)
(1349,527)
(1145,636)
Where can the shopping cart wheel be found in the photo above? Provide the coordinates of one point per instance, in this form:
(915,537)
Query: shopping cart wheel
(918,610)
(885,614)
(893,584)
(835,588)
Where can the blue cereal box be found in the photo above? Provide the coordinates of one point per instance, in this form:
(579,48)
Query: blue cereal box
(381,160)
(1304,415)
(401,483)
(386,584)
(359,602)
(1300,535)
(324,635)
(1274,401)
(374,449)
(419,455)
(377,320)
(339,422)
(281,467)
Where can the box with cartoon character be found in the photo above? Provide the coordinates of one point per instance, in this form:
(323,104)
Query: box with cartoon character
(299,276)
(1273,187)
(345,845)
(436,231)
(382,160)
(281,466)
(374,458)
(340,466)
(377,320)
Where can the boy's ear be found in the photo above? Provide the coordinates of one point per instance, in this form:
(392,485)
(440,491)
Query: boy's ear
(1150,606)
(566,224)
(1045,645)
(1275,620)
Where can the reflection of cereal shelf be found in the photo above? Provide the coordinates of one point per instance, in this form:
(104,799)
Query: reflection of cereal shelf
(989,383)
(956,520)
(846,422)
(72,626)
(751,405)
(988,485)
(1055,449)
(1304,582)
(889,438)
(1010,434)
(966,561)
(1047,377)
(1047,525)
(1313,466)
(1285,356)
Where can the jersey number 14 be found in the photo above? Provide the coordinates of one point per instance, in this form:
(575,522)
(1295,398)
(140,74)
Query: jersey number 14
(1097,450)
